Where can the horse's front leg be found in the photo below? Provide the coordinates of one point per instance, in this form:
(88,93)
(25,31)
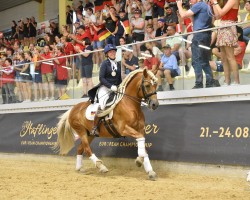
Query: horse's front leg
(142,154)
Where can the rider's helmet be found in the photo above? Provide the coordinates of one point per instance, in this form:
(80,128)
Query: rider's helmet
(109,47)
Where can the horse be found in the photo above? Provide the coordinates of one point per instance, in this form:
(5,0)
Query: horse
(128,119)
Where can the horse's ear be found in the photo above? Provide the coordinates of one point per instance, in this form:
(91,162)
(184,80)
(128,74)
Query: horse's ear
(145,73)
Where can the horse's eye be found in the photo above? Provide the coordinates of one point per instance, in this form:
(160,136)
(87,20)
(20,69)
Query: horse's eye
(147,86)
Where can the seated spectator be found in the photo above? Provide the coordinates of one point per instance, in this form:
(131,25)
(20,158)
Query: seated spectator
(151,62)
(171,17)
(129,62)
(246,27)
(156,51)
(161,32)
(168,67)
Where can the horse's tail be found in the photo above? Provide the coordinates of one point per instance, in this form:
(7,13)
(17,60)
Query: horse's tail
(65,136)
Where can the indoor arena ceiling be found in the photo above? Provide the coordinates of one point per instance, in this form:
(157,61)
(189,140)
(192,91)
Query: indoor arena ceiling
(6,4)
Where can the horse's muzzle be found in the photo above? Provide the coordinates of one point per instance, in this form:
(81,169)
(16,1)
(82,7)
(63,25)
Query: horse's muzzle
(153,104)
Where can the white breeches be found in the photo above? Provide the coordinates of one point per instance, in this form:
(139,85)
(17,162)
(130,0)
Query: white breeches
(103,95)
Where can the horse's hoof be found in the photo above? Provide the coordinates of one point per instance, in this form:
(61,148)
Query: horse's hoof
(139,161)
(103,169)
(152,176)
(78,168)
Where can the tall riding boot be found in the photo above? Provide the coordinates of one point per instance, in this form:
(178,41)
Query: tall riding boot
(97,120)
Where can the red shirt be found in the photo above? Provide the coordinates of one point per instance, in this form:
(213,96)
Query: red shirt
(62,73)
(150,62)
(240,56)
(187,22)
(8,78)
(68,48)
(160,3)
(46,68)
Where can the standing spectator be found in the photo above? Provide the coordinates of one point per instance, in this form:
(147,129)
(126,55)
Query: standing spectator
(90,15)
(26,76)
(227,38)
(69,18)
(168,67)
(137,28)
(8,81)
(26,31)
(20,29)
(158,11)
(38,87)
(87,66)
(246,30)
(110,24)
(201,13)
(47,74)
(14,33)
(148,12)
(88,5)
(19,81)
(61,71)
(32,26)
(68,50)
(54,30)
(79,7)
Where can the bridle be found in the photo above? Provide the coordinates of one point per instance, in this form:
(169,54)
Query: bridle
(145,94)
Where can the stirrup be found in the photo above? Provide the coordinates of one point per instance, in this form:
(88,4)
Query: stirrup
(94,131)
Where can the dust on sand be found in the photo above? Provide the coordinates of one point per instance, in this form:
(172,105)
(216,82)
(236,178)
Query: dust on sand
(53,177)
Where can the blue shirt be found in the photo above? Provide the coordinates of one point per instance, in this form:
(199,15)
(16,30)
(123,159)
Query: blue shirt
(202,16)
(170,63)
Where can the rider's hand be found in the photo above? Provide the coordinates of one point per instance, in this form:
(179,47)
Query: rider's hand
(113,88)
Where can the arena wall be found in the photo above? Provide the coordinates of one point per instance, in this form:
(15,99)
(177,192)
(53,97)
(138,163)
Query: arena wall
(185,128)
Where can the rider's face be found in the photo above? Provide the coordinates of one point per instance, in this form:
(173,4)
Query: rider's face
(112,54)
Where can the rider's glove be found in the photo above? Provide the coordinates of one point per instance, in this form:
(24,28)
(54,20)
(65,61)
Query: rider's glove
(113,88)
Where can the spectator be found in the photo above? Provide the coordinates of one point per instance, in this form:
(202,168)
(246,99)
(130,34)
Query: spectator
(38,87)
(227,38)
(87,66)
(47,74)
(148,12)
(200,56)
(151,62)
(8,81)
(171,17)
(90,15)
(26,76)
(168,67)
(14,33)
(69,17)
(61,71)
(161,32)
(137,28)
(68,50)
(158,11)
(18,80)
(246,30)
(156,51)
(129,62)
(54,30)
(32,27)
(26,31)
(79,7)
(20,29)
(88,5)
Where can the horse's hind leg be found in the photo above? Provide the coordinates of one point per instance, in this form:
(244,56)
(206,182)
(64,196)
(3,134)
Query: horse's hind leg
(85,147)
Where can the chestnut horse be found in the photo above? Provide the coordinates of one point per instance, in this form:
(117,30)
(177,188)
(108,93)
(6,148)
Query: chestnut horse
(128,119)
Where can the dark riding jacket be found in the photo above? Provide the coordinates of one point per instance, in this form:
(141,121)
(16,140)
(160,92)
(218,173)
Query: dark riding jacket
(105,74)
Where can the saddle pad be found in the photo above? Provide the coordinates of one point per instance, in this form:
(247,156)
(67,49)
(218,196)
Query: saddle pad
(91,110)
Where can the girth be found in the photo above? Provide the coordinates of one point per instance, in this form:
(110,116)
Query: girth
(111,128)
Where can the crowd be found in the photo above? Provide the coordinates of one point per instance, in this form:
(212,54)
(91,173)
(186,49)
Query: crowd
(126,23)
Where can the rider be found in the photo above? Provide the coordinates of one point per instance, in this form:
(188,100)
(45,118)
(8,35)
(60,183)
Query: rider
(110,78)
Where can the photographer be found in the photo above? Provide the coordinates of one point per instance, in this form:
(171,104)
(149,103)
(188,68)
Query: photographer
(202,19)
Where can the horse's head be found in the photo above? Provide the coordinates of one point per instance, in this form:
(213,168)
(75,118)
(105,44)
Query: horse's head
(148,89)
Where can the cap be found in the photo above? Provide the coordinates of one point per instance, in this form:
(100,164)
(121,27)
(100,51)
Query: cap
(161,20)
(121,11)
(81,26)
(167,47)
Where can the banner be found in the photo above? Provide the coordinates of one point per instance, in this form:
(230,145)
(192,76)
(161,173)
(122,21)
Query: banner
(216,133)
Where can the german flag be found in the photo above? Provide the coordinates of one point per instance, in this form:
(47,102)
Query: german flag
(126,26)
(103,34)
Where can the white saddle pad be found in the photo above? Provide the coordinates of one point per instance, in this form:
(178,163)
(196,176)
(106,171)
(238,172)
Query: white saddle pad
(91,110)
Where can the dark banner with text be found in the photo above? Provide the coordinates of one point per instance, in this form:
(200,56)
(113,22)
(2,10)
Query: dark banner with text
(216,133)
